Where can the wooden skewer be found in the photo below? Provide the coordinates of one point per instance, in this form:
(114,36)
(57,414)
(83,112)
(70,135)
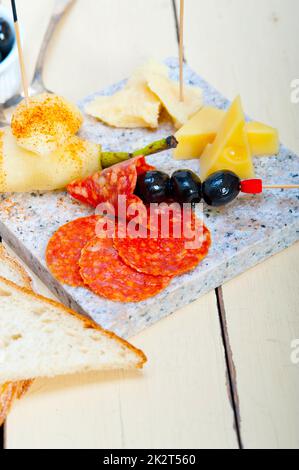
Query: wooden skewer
(280,186)
(20,49)
(182,11)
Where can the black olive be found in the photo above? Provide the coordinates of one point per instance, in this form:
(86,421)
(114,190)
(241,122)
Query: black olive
(221,188)
(153,186)
(185,187)
(7,38)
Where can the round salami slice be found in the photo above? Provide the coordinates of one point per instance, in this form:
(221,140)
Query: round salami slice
(64,249)
(135,208)
(169,253)
(107,185)
(108,276)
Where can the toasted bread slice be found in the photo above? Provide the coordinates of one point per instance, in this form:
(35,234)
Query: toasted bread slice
(42,338)
(13,271)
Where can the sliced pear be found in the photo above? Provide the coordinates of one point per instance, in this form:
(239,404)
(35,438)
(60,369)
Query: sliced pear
(46,124)
(24,171)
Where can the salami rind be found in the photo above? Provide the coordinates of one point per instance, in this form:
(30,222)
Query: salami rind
(107,275)
(158,254)
(107,185)
(64,249)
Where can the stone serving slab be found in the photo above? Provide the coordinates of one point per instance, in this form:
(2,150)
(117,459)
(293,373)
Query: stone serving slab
(244,233)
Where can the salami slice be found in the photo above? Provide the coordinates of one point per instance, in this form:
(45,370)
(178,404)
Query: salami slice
(166,253)
(64,249)
(135,208)
(142,166)
(108,276)
(107,185)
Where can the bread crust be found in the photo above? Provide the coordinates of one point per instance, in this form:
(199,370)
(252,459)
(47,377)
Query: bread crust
(7,259)
(13,390)
(16,390)
(87,322)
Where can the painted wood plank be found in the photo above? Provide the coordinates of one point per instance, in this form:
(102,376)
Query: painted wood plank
(249,48)
(182,399)
(263,324)
(98,43)
(259,62)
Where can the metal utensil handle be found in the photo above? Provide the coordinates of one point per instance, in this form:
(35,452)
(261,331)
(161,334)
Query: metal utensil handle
(60,8)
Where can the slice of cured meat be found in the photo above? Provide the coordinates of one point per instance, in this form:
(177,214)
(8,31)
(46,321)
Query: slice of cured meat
(107,185)
(142,166)
(135,208)
(108,276)
(170,252)
(64,249)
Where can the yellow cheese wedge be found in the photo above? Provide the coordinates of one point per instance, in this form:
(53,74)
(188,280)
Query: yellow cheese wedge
(134,106)
(230,150)
(197,133)
(24,171)
(202,128)
(206,150)
(263,139)
(168,93)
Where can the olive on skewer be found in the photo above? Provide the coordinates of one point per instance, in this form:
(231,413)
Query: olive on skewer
(7,39)
(153,187)
(184,186)
(221,188)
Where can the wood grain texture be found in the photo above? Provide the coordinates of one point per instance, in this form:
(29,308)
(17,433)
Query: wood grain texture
(179,401)
(262,320)
(182,400)
(261,307)
(97,43)
(249,48)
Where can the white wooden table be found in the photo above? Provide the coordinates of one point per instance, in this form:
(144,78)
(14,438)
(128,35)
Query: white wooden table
(220,375)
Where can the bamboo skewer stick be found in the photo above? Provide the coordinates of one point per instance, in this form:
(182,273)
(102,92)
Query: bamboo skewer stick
(181,49)
(20,50)
(280,186)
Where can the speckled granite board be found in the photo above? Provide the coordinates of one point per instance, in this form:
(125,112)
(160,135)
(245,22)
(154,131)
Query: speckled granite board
(245,233)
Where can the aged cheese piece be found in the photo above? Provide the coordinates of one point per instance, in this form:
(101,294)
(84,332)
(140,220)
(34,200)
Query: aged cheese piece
(230,150)
(168,93)
(197,133)
(134,106)
(46,123)
(23,171)
(146,71)
(263,139)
